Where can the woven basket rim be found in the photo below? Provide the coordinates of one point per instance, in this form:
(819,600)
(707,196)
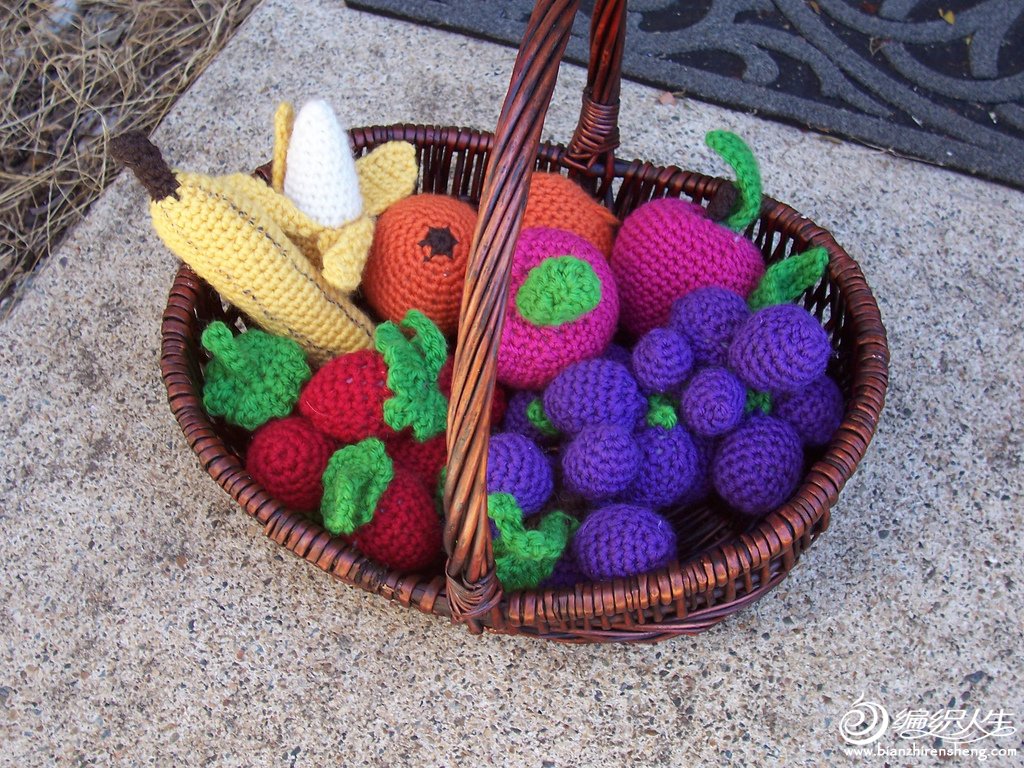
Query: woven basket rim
(770,548)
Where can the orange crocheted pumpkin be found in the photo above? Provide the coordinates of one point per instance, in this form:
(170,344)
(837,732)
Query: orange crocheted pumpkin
(418,259)
(556,202)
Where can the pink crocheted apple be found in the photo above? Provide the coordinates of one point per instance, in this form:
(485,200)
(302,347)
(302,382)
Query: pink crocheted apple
(667,248)
(562,307)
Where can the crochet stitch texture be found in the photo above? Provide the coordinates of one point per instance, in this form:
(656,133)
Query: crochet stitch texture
(758,466)
(288,457)
(556,202)
(669,465)
(779,349)
(594,392)
(418,259)
(622,540)
(516,466)
(530,355)
(253,377)
(667,248)
(661,360)
(815,411)
(601,462)
(713,402)
(709,318)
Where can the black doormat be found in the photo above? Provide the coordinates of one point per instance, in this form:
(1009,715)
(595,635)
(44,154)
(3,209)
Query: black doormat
(939,81)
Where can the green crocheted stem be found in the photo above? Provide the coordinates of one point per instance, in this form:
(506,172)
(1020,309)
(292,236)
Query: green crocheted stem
(786,280)
(220,342)
(540,421)
(734,151)
(758,401)
(522,557)
(558,290)
(413,366)
(354,481)
(661,412)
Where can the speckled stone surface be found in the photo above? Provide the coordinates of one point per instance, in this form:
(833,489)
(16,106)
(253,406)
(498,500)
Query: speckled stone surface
(144,619)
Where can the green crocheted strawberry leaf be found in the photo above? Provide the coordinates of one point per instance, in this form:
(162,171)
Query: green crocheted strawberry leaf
(413,366)
(734,151)
(540,421)
(786,280)
(253,377)
(661,412)
(524,557)
(354,481)
(558,290)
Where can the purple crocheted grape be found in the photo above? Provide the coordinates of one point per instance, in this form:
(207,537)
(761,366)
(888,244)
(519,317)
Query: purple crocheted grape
(623,540)
(814,411)
(515,465)
(758,467)
(517,420)
(781,348)
(567,572)
(702,487)
(619,354)
(712,402)
(591,393)
(709,318)
(661,360)
(668,466)
(601,462)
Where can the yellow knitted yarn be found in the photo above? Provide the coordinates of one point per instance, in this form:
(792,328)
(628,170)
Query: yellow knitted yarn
(235,243)
(284,119)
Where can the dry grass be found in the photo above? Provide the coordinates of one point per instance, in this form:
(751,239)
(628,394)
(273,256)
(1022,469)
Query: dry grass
(73,73)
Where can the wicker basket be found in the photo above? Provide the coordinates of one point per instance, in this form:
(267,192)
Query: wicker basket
(724,563)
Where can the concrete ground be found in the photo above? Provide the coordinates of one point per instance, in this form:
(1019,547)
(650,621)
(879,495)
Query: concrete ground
(145,619)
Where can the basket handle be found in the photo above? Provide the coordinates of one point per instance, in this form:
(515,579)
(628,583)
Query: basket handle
(473,590)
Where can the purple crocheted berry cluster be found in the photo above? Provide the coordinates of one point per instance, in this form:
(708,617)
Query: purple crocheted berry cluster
(721,400)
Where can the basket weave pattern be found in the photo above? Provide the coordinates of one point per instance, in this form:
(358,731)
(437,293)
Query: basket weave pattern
(724,564)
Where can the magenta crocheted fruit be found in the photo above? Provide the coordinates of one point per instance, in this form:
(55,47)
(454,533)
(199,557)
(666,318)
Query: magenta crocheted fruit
(779,349)
(712,402)
(562,307)
(709,318)
(288,457)
(601,462)
(669,465)
(591,393)
(622,540)
(518,467)
(815,411)
(667,248)
(758,466)
(661,360)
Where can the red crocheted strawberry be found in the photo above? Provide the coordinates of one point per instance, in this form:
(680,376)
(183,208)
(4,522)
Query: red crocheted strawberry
(424,459)
(288,457)
(382,507)
(378,393)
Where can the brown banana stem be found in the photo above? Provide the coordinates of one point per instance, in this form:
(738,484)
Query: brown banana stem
(137,153)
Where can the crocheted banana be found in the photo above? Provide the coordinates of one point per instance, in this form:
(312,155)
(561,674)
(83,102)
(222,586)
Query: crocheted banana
(330,200)
(226,228)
